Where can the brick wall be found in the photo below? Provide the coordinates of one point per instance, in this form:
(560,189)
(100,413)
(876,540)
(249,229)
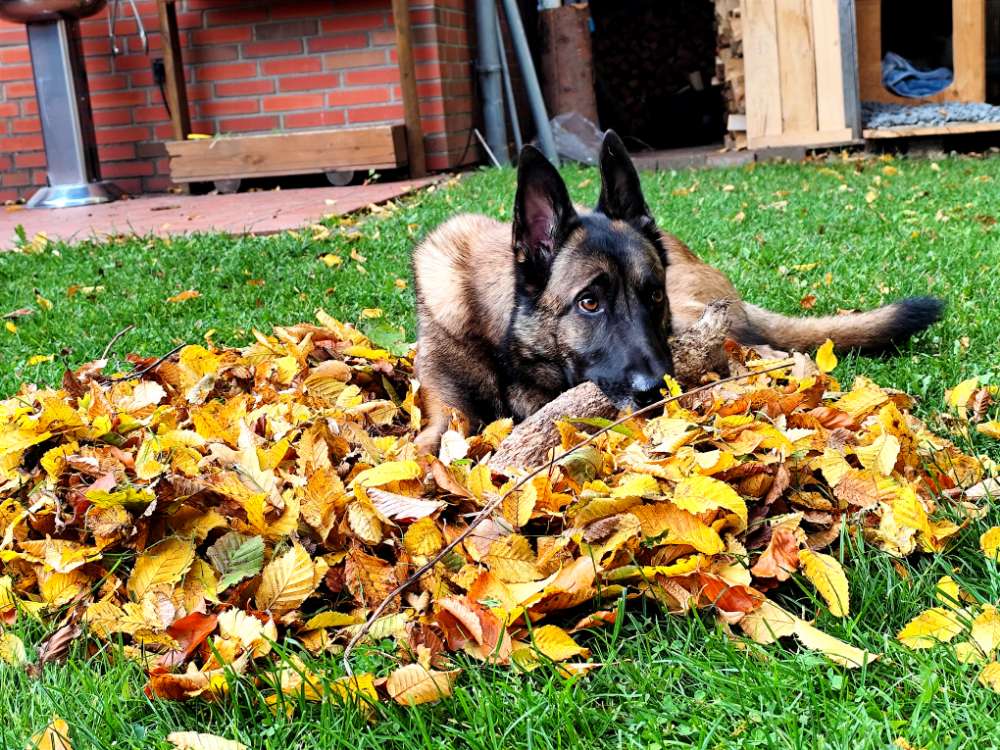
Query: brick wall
(250,66)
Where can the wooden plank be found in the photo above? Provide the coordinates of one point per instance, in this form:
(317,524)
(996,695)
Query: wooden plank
(797,69)
(969,50)
(829,65)
(303,152)
(173,63)
(408,83)
(916,131)
(869,25)
(760,58)
(816,139)
(849,63)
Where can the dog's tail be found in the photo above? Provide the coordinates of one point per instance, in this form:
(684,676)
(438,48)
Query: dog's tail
(873,331)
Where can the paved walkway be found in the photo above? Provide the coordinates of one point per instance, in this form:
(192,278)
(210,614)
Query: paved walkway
(265,212)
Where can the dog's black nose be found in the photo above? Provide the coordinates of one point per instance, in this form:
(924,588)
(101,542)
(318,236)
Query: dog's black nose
(648,393)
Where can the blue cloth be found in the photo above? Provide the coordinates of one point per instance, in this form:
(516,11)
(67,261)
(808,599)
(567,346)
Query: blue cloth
(902,79)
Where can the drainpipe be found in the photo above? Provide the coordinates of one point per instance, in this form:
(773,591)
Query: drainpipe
(523,52)
(489,79)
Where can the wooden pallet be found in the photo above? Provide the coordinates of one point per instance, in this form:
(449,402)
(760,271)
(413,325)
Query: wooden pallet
(918,131)
(297,152)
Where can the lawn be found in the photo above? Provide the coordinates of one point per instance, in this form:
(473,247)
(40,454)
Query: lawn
(846,233)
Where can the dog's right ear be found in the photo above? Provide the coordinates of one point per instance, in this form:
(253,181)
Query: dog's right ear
(543,218)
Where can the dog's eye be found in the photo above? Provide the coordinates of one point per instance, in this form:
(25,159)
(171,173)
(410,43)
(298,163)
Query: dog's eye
(589,304)
(658,296)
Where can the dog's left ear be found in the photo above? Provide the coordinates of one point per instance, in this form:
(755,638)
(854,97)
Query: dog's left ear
(621,193)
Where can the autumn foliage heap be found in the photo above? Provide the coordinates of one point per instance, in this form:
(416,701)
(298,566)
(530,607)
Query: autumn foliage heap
(209,506)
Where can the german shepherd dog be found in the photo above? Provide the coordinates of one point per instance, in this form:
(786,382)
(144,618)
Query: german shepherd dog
(510,317)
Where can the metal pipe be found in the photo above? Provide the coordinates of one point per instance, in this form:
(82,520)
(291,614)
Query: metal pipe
(508,88)
(523,52)
(489,79)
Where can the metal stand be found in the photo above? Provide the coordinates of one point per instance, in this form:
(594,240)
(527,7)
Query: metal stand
(67,120)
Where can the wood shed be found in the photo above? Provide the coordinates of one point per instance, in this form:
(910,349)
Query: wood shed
(802,68)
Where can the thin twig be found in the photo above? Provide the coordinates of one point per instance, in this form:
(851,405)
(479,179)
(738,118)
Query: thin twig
(122,332)
(496,502)
(139,373)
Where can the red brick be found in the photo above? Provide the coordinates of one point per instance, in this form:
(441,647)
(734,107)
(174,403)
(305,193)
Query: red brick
(12,55)
(107,82)
(428,53)
(299,101)
(8,109)
(29,159)
(15,179)
(369,77)
(339,41)
(383,38)
(107,117)
(273,49)
(314,119)
(350,97)
(15,72)
(237,16)
(245,124)
(9,195)
(24,125)
(131,62)
(5,163)
(29,107)
(21,143)
(363,59)
(286,30)
(141,79)
(375,114)
(229,107)
(217,53)
(122,135)
(340,22)
(97,46)
(117,169)
(291,65)
(19,89)
(245,88)
(113,99)
(309,83)
(156,113)
(221,35)
(224,72)
(116,151)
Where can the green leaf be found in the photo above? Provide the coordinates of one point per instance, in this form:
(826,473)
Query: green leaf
(236,557)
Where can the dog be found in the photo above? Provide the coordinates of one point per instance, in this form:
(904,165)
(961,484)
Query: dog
(509,317)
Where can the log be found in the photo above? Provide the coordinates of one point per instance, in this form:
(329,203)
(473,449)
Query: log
(529,442)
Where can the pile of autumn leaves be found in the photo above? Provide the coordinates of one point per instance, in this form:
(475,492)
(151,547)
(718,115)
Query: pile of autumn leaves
(225,501)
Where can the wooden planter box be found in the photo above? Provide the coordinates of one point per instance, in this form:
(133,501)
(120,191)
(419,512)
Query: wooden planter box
(275,155)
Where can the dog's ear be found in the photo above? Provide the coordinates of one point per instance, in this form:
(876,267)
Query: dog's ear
(543,218)
(621,194)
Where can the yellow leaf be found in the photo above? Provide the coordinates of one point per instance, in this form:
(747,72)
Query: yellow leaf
(9,325)
(201,741)
(38,359)
(698,493)
(184,296)
(423,538)
(881,455)
(958,397)
(12,650)
(286,582)
(769,622)
(989,543)
(413,684)
(332,620)
(330,260)
(163,564)
(989,429)
(556,644)
(826,360)
(990,676)
(985,630)
(828,577)
(947,593)
(54,737)
(636,485)
(933,626)
(390,471)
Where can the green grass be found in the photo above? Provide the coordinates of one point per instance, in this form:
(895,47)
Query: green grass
(669,682)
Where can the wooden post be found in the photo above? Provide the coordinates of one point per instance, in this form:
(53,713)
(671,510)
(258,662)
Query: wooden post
(408,83)
(173,63)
